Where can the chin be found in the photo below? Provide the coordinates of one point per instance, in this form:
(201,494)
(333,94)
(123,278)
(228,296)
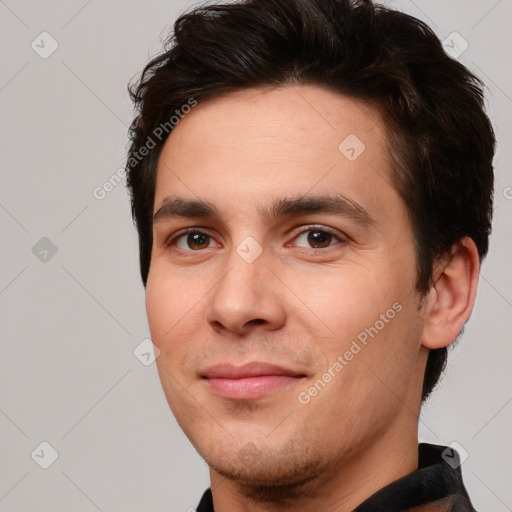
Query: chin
(271,480)
(267,471)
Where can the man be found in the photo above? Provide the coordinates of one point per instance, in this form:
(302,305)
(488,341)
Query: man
(312,187)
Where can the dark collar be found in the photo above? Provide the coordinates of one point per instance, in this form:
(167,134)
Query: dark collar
(437,482)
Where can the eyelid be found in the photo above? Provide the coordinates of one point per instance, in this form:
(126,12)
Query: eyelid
(304,229)
(319,227)
(196,229)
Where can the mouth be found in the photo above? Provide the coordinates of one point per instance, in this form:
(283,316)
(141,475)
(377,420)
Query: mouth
(249,381)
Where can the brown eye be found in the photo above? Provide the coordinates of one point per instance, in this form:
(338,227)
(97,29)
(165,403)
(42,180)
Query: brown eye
(198,241)
(316,238)
(193,240)
(319,239)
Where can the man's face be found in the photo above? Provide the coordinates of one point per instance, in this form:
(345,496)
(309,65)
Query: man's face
(286,316)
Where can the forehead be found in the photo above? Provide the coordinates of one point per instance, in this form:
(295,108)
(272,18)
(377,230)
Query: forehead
(254,144)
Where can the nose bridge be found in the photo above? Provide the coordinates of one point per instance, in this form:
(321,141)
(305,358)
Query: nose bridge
(242,281)
(246,291)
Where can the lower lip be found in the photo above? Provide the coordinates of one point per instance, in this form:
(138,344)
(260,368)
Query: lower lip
(249,387)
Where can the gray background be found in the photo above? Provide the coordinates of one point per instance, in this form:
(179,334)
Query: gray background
(71,320)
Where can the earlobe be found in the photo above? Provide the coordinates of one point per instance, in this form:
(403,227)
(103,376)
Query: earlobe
(450,301)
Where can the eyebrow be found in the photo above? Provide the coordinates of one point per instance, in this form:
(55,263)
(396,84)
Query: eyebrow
(285,207)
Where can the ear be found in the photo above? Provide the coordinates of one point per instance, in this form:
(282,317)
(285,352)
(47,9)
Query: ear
(450,300)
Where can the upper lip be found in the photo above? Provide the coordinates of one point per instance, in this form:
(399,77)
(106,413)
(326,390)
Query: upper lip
(253,369)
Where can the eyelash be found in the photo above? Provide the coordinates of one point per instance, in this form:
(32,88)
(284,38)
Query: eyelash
(172,240)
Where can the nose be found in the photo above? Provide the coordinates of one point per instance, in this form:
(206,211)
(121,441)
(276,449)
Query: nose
(248,297)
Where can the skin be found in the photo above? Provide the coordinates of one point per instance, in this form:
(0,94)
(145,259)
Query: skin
(299,305)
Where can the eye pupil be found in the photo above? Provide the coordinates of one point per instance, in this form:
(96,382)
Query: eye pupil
(197,240)
(319,238)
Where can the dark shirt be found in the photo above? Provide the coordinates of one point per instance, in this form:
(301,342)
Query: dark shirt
(436,486)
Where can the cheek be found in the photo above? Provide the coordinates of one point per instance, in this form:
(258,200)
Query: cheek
(346,301)
(172,312)
(158,306)
(372,323)
(169,307)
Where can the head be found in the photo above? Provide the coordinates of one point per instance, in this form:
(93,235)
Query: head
(264,118)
